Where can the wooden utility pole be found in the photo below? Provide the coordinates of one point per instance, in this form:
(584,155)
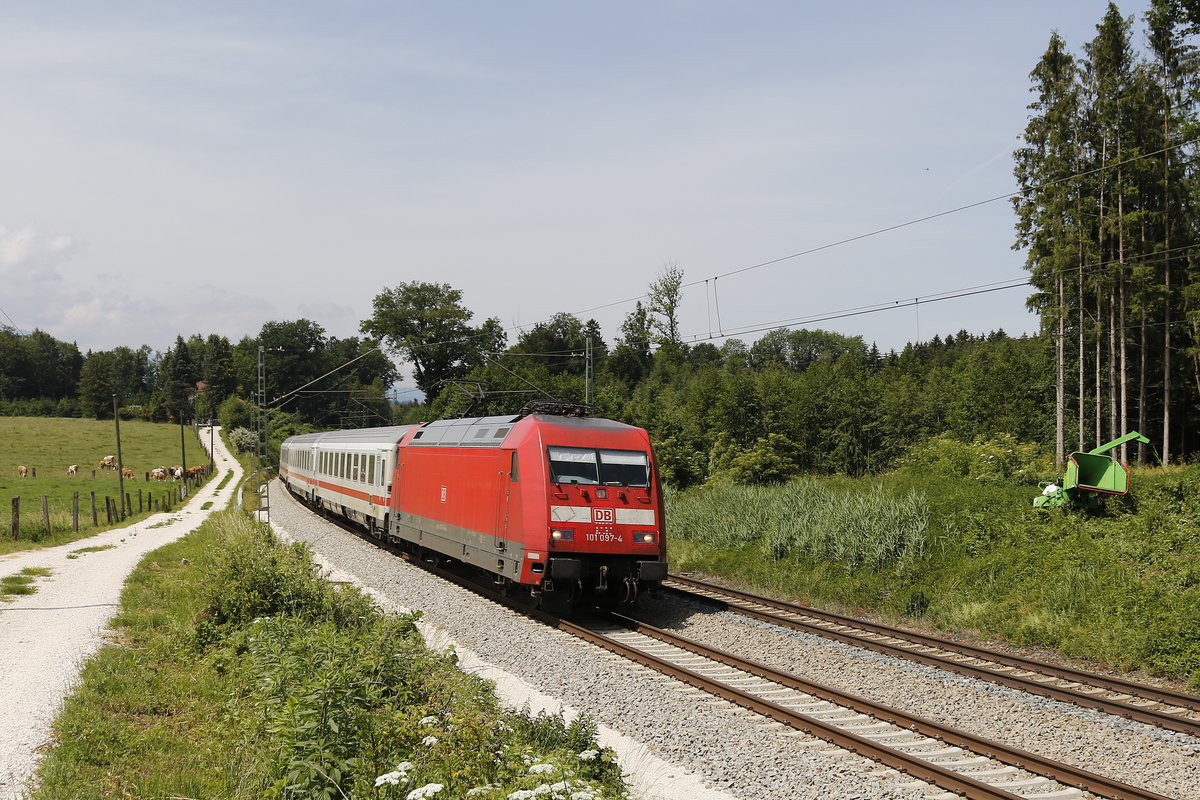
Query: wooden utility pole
(120,463)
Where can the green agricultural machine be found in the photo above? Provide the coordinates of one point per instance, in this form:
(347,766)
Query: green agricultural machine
(1090,476)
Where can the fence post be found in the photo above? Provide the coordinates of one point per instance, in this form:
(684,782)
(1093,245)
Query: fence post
(95,522)
(16,518)
(128,504)
(139,501)
(33,471)
(46,514)
(108,508)
(75,512)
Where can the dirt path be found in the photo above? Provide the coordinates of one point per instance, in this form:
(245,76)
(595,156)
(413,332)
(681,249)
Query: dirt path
(46,637)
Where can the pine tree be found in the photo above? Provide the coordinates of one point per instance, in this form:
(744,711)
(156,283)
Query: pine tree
(1047,220)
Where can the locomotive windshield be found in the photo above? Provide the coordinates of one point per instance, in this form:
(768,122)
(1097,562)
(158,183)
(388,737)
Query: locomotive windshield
(607,467)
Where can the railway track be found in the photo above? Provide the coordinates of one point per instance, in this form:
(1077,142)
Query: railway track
(1163,708)
(960,763)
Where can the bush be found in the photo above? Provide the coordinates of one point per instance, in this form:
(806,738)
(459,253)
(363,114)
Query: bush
(134,412)
(235,412)
(243,440)
(1000,460)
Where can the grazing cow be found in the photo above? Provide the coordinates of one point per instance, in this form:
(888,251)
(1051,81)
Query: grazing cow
(108,462)
(158,474)
(73,469)
(195,472)
(176,472)
(127,473)
(22,471)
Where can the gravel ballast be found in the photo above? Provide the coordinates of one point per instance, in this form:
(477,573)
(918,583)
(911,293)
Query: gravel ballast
(45,637)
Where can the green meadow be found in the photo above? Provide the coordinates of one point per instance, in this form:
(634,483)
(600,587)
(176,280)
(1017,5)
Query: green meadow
(47,446)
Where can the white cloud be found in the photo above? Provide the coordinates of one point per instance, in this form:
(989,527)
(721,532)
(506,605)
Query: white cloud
(28,257)
(15,246)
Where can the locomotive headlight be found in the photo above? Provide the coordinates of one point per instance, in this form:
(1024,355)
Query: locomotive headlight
(645,537)
(562,534)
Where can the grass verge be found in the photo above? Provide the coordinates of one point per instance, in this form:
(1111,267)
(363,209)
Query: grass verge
(22,582)
(240,674)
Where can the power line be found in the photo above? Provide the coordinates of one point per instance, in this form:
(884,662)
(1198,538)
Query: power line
(861,310)
(1088,270)
(1008,196)
(16,327)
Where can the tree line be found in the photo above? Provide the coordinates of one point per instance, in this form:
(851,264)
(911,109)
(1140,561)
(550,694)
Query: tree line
(793,401)
(199,378)
(1108,213)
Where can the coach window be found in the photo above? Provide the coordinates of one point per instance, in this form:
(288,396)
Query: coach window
(371,469)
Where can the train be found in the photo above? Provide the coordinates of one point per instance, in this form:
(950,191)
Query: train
(553,502)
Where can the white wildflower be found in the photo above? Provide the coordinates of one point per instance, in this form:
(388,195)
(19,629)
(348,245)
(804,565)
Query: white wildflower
(429,741)
(543,790)
(589,755)
(541,769)
(585,795)
(478,790)
(406,767)
(428,790)
(521,794)
(430,720)
(390,779)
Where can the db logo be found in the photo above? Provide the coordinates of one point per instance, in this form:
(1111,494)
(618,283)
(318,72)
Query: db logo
(606,515)
(443,494)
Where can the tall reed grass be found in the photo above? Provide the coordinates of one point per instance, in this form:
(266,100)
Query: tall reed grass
(865,527)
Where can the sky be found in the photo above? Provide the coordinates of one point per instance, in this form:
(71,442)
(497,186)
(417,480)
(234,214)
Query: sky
(177,168)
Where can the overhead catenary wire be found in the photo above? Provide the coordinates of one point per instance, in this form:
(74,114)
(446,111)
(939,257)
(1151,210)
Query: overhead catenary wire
(15,326)
(1089,270)
(900,225)
(827,316)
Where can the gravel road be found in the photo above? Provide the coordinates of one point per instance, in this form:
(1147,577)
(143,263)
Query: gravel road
(46,637)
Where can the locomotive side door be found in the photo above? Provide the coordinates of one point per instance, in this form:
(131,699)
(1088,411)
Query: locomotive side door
(505,480)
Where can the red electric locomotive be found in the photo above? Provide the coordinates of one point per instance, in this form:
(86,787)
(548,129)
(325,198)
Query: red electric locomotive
(565,505)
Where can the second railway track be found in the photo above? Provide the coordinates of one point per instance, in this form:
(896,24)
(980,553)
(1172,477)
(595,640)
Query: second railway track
(1174,711)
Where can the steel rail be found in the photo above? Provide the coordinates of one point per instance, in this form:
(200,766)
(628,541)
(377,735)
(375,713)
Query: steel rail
(1164,719)
(925,770)
(1031,762)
